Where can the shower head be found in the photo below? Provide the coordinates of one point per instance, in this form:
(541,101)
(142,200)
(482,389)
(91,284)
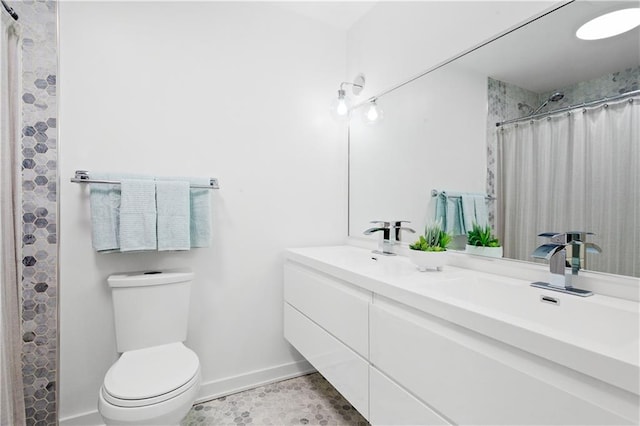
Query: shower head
(556,97)
(553,98)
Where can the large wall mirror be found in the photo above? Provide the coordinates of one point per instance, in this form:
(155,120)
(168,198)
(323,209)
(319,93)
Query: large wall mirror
(574,165)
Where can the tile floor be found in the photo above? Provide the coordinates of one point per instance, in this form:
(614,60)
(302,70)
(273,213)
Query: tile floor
(305,400)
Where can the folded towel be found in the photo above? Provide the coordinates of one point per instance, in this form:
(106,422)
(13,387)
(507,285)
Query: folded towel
(200,210)
(138,215)
(105,214)
(172,199)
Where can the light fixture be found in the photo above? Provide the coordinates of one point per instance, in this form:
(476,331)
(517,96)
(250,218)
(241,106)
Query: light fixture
(372,112)
(341,106)
(610,24)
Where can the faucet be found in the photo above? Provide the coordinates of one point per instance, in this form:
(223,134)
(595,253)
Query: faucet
(387,240)
(573,244)
(398,227)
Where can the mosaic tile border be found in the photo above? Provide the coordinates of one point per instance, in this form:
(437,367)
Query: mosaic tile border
(39,159)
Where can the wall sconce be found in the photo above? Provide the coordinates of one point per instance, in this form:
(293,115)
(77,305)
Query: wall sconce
(372,112)
(341,106)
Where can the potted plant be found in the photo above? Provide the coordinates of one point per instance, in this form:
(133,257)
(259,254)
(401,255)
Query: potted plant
(481,241)
(430,249)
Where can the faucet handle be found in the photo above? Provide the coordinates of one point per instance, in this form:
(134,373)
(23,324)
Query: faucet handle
(397,225)
(383,223)
(557,237)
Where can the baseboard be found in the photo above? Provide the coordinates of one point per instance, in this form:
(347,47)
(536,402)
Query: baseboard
(253,379)
(90,418)
(217,388)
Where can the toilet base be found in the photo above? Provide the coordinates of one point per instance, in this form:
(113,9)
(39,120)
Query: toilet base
(169,412)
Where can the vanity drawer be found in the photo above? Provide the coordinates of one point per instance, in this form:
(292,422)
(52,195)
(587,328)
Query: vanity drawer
(342,367)
(472,379)
(390,404)
(340,308)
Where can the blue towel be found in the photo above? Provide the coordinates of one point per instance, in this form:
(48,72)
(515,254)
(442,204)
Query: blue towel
(172,198)
(138,215)
(105,214)
(480,203)
(468,211)
(200,209)
(449,212)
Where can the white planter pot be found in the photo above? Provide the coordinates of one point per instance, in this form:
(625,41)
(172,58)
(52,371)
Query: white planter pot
(428,259)
(484,251)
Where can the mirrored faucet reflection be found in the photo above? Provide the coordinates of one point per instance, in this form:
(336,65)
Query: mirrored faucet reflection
(390,235)
(570,245)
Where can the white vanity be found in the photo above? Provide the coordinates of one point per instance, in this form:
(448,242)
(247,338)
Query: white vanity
(460,346)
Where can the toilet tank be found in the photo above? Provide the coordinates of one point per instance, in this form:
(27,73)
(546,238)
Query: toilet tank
(150,308)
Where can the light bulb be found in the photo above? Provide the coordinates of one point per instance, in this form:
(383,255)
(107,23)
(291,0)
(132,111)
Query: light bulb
(373,113)
(341,106)
(610,24)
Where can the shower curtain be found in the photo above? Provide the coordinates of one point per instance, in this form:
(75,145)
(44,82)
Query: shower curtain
(575,171)
(12,410)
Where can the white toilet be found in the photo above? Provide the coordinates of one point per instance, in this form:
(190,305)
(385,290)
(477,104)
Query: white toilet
(157,378)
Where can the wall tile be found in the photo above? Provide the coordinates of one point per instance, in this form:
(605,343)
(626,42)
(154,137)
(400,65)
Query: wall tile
(38,21)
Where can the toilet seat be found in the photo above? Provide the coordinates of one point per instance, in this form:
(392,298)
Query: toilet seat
(151,375)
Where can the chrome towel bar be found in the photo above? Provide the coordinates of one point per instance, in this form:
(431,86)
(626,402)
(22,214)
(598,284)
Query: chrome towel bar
(435,193)
(82,176)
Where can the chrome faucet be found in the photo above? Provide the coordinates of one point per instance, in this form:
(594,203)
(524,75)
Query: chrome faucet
(563,244)
(398,227)
(388,239)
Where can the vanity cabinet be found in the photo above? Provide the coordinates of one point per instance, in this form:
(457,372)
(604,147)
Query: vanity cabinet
(402,365)
(327,322)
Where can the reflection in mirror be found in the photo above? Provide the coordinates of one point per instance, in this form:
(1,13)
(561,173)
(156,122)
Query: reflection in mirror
(572,170)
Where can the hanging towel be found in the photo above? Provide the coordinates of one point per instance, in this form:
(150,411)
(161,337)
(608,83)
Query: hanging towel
(480,204)
(138,215)
(172,198)
(200,210)
(468,211)
(105,214)
(449,212)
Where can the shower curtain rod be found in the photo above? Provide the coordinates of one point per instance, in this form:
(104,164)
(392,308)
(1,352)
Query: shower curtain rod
(9,10)
(570,107)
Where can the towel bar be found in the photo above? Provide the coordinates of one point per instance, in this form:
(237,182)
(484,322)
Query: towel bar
(435,193)
(82,176)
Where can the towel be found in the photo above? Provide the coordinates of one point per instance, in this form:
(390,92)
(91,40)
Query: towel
(449,212)
(105,214)
(172,199)
(468,204)
(138,215)
(200,211)
(480,203)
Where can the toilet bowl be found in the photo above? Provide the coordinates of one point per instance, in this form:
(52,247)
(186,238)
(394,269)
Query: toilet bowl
(150,386)
(157,378)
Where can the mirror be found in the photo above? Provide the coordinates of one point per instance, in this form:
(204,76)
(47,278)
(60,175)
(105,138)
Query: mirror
(439,133)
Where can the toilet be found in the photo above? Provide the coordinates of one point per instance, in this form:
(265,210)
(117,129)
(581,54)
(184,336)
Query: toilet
(157,378)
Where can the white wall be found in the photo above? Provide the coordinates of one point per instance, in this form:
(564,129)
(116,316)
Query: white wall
(398,40)
(238,91)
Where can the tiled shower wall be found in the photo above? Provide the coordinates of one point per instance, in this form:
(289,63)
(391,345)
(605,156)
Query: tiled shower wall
(507,101)
(38,21)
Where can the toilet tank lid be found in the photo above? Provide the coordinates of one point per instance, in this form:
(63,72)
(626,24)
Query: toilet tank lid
(146,278)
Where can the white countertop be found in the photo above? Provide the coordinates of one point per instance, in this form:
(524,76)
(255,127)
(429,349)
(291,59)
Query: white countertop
(597,335)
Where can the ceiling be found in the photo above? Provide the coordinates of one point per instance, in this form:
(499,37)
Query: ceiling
(545,54)
(340,14)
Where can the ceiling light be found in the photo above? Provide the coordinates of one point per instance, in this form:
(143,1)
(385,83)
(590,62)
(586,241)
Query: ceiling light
(610,24)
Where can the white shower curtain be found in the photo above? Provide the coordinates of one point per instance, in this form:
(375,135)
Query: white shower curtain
(12,410)
(576,171)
